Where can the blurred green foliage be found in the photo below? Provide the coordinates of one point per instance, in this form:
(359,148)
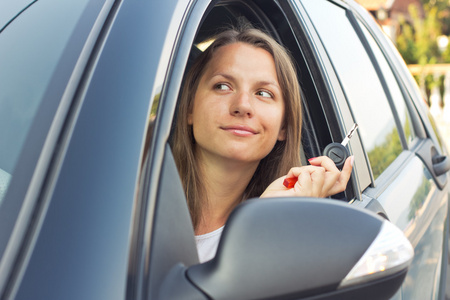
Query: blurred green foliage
(417,39)
(443,13)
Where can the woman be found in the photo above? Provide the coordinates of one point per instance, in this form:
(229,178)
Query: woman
(238,133)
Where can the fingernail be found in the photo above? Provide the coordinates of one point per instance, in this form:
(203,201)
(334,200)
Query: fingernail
(312,158)
(352,160)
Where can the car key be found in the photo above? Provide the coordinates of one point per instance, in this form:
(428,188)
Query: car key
(337,152)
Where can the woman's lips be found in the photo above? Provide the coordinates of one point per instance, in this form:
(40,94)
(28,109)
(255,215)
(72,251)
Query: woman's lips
(240,130)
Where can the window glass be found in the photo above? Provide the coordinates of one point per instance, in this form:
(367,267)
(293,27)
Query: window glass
(30,49)
(394,89)
(360,82)
(9,9)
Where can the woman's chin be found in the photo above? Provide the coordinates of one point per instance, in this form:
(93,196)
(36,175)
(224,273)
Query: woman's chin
(245,156)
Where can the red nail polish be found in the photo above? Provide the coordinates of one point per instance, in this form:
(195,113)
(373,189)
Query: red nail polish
(289,182)
(312,158)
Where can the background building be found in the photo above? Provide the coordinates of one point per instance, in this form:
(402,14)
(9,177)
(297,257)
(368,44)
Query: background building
(389,13)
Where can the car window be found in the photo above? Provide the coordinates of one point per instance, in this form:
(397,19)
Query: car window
(11,9)
(23,82)
(360,82)
(320,122)
(393,86)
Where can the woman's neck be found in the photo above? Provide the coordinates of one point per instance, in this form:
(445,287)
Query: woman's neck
(224,183)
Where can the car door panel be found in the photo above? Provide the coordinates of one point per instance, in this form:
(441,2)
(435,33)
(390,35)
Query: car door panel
(416,205)
(96,165)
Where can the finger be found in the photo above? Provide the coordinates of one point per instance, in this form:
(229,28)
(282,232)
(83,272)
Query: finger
(347,170)
(304,185)
(291,178)
(310,181)
(317,182)
(348,165)
(294,172)
(344,176)
(324,161)
(332,173)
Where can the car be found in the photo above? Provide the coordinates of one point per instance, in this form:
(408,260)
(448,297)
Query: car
(91,203)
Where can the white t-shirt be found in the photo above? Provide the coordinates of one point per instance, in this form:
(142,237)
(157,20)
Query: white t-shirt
(207,244)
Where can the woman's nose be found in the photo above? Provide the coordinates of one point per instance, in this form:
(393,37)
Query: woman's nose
(242,105)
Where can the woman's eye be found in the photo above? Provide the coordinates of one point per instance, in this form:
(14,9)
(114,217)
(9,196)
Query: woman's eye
(222,87)
(264,94)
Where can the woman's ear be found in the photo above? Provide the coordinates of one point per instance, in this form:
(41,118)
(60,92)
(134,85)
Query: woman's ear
(282,134)
(189,119)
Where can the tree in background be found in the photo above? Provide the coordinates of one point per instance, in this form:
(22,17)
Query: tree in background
(417,41)
(443,20)
(443,8)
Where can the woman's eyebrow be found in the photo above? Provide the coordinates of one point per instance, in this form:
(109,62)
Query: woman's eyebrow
(227,76)
(266,82)
(259,82)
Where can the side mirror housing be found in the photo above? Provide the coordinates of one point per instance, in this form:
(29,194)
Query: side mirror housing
(298,248)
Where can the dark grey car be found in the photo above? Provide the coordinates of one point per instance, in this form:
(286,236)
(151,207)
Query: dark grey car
(91,204)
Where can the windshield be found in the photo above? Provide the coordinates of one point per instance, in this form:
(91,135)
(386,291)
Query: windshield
(31,47)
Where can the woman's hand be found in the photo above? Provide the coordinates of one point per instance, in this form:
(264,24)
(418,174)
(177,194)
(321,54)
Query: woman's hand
(320,179)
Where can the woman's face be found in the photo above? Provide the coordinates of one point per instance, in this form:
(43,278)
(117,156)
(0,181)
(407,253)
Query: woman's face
(238,108)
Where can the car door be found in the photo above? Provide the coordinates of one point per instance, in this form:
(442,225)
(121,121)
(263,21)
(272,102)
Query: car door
(93,206)
(395,134)
(93,73)
(105,215)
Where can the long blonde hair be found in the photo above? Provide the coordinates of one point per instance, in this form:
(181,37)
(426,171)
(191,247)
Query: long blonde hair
(284,155)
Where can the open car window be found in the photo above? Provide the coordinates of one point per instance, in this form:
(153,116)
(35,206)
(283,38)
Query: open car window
(319,121)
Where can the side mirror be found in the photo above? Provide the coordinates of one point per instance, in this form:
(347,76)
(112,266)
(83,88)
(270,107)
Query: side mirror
(298,248)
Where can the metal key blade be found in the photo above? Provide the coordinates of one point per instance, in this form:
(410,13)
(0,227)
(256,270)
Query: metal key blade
(349,135)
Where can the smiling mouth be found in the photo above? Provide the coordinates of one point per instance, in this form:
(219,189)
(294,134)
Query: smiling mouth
(240,131)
